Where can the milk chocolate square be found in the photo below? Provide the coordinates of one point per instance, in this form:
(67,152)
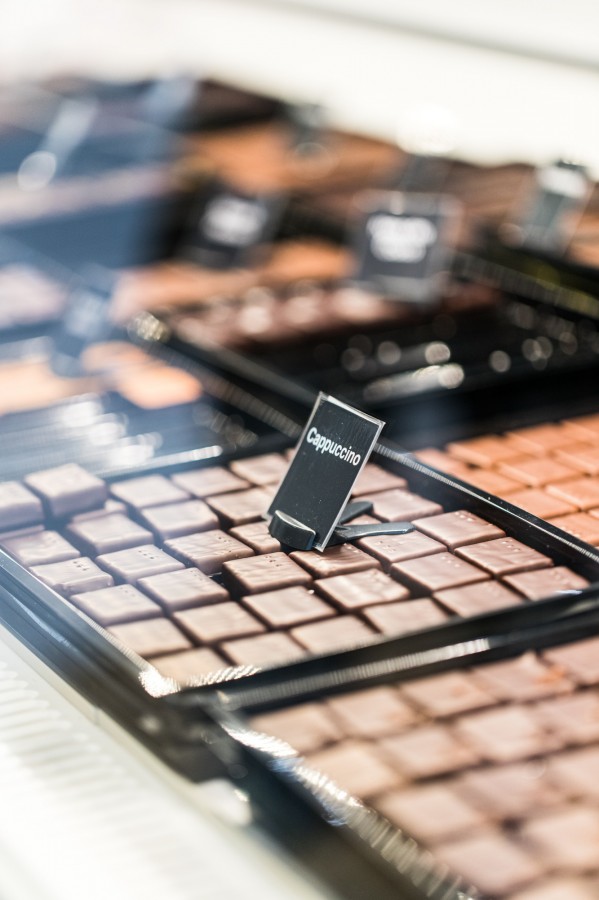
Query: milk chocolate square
(541,503)
(356,768)
(536,471)
(510,791)
(372,713)
(73,576)
(18,506)
(108,533)
(339,560)
(183,588)
(581,525)
(107,509)
(576,772)
(288,606)
(524,678)
(138,562)
(491,482)
(496,864)
(392,548)
(504,556)
(39,548)
(455,529)
(113,605)
(484,451)
(505,734)
(582,457)
(149,490)
(546,582)
(220,622)
(545,834)
(306,728)
(257,536)
(269,468)
(178,519)
(581,493)
(360,589)
(427,751)
(340,633)
(242,506)
(575,717)
(373,480)
(580,660)
(447,694)
(401,618)
(430,813)
(152,637)
(473,599)
(68,489)
(209,481)
(399,506)
(264,572)
(263,650)
(437,572)
(190,664)
(538,439)
(208,550)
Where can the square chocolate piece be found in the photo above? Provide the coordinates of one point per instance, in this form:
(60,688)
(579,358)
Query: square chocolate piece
(373,480)
(340,633)
(306,728)
(339,560)
(399,506)
(39,548)
(18,506)
(504,557)
(190,665)
(208,550)
(182,589)
(372,713)
(349,592)
(257,536)
(582,493)
(455,529)
(68,489)
(242,506)
(438,572)
(263,650)
(152,637)
(357,768)
(541,503)
(138,562)
(178,519)
(210,481)
(220,622)
(546,582)
(73,576)
(265,572)
(473,599)
(260,470)
(150,490)
(401,618)
(288,606)
(392,548)
(105,534)
(113,605)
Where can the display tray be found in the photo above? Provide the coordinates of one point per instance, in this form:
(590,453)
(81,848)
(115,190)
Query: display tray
(467,773)
(172,589)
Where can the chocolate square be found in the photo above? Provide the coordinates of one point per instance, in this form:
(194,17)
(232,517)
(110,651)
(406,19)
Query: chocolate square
(149,490)
(151,637)
(122,603)
(138,562)
(265,572)
(339,560)
(430,813)
(209,482)
(546,582)
(242,506)
(581,493)
(438,572)
(307,727)
(269,468)
(504,556)
(581,525)
(360,589)
(473,599)
(257,536)
(73,576)
(356,768)
(392,548)
(263,650)
(182,589)
(68,489)
(373,480)
(448,694)
(372,713)
(401,618)
(288,606)
(536,471)
(220,622)
(178,519)
(496,864)
(541,503)
(455,529)
(485,451)
(108,533)
(427,751)
(190,664)
(208,550)
(399,506)
(340,633)
(18,506)
(39,548)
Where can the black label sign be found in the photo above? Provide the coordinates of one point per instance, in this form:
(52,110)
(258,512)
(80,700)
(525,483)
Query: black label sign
(330,455)
(86,321)
(229,225)
(403,245)
(551,214)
